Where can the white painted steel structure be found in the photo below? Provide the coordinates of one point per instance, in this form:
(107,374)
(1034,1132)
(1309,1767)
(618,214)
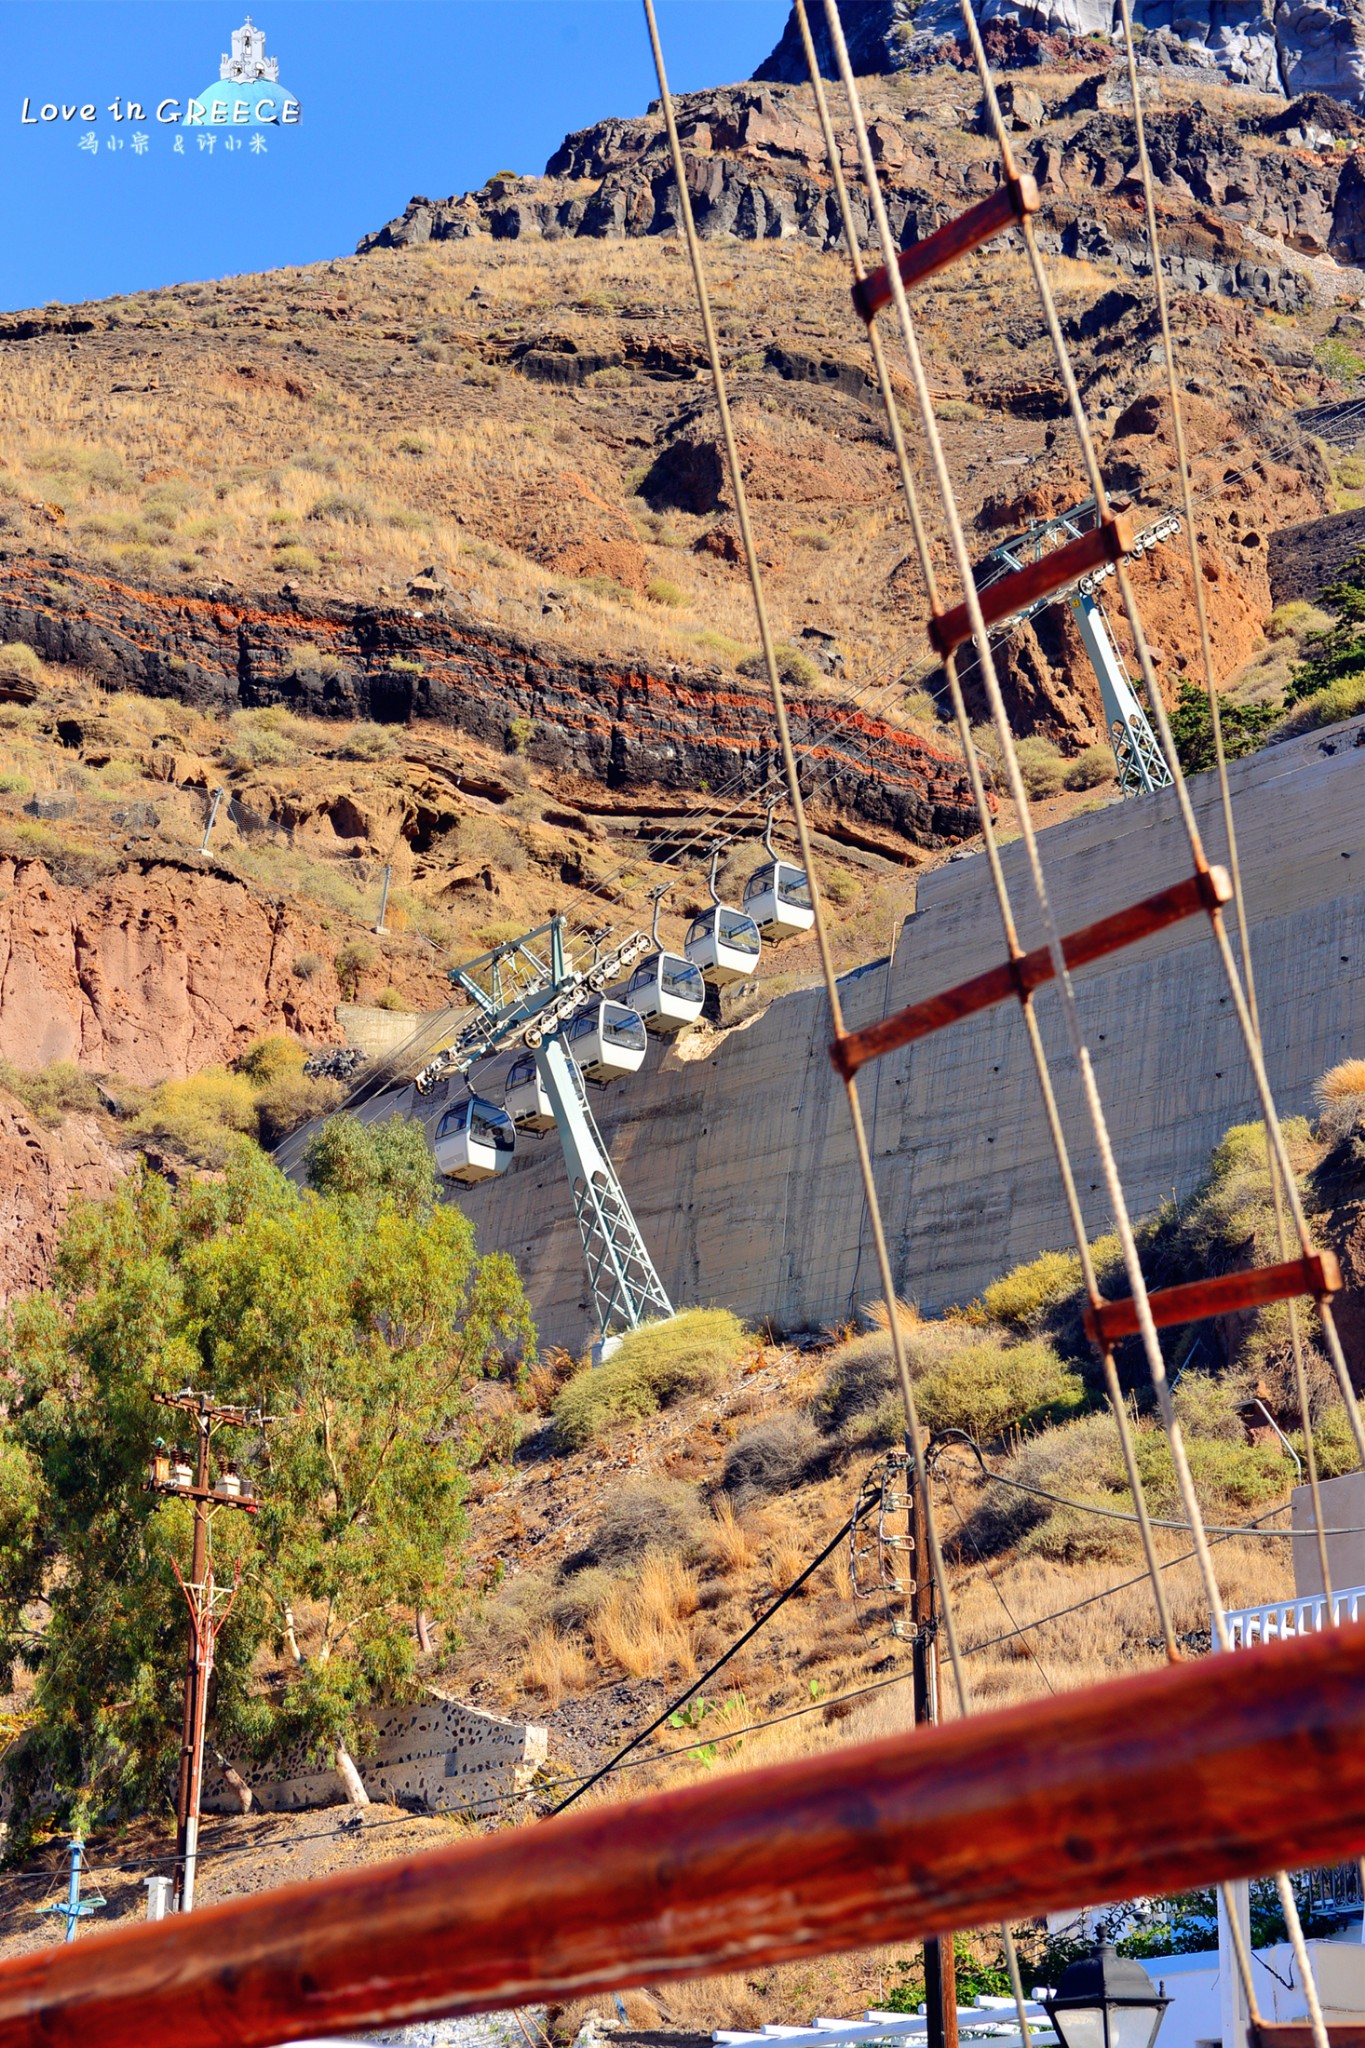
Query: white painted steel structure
(990,2019)
(1282,1620)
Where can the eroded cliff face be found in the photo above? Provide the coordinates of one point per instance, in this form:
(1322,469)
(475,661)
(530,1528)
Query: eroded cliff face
(162,968)
(619,726)
(41,1171)
(1278,46)
(1230,176)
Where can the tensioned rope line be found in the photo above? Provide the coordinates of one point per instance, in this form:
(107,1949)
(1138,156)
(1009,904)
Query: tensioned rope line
(972,608)
(985,662)
(1277,1166)
(914,1431)
(1215,718)
(1251,1038)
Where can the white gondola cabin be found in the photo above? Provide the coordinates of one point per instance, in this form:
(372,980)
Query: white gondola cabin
(474,1140)
(777,898)
(524,1097)
(608,1040)
(724,944)
(668,992)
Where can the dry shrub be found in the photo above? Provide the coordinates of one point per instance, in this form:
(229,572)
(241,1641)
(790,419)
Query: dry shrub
(1346,1078)
(291,1100)
(655,1365)
(986,1387)
(786,1562)
(52,1092)
(1041,767)
(581,1597)
(775,1456)
(646,1515)
(201,1117)
(642,1626)
(1090,769)
(271,1058)
(1340,1096)
(553,1666)
(552,1371)
(1080,1461)
(1022,1295)
(1233,1213)
(728,1542)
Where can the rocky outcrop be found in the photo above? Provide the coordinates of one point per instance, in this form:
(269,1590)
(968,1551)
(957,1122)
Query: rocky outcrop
(1271,45)
(621,725)
(159,970)
(755,170)
(41,1170)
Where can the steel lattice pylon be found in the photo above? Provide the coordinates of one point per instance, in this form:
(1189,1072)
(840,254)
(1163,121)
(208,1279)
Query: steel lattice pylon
(1138,759)
(523,996)
(626,1290)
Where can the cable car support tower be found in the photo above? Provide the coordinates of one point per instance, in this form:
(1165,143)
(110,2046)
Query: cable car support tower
(1138,759)
(525,992)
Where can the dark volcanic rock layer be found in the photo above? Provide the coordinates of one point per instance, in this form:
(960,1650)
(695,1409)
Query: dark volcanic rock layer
(620,725)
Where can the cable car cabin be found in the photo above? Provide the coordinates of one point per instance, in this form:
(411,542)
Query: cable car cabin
(474,1140)
(777,898)
(524,1097)
(724,943)
(608,1041)
(668,992)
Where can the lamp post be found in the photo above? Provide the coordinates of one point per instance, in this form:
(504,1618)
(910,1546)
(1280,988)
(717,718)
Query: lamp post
(1106,2001)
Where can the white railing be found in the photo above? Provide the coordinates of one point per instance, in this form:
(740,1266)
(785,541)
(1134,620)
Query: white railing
(1282,1619)
(990,2019)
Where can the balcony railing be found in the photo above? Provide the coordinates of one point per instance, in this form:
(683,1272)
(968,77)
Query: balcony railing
(1281,1620)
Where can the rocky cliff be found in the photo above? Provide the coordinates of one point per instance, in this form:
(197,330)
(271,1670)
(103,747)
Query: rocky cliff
(40,1171)
(1274,45)
(1236,178)
(162,968)
(619,726)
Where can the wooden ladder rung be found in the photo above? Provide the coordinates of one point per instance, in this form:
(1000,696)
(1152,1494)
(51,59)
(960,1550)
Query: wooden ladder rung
(1316,1274)
(980,223)
(1022,588)
(1208,890)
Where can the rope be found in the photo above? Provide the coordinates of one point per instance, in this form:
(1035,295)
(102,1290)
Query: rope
(914,1430)
(1246,1019)
(1220,757)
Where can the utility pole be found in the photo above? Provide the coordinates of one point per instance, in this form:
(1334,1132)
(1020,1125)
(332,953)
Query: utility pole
(73,1908)
(171,1475)
(940,1961)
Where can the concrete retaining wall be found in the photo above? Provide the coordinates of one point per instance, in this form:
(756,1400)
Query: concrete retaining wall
(437,1757)
(739,1163)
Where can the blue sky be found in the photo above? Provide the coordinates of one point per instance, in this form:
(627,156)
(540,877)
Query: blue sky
(398,96)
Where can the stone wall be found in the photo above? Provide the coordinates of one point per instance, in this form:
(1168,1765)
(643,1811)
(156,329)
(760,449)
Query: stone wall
(437,1757)
(736,1155)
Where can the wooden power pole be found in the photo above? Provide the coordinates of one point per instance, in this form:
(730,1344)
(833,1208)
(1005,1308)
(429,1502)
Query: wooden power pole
(940,1961)
(200,1594)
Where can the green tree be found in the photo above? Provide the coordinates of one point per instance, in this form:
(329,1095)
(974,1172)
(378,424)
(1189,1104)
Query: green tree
(1338,653)
(371,1163)
(358,1321)
(1244,726)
